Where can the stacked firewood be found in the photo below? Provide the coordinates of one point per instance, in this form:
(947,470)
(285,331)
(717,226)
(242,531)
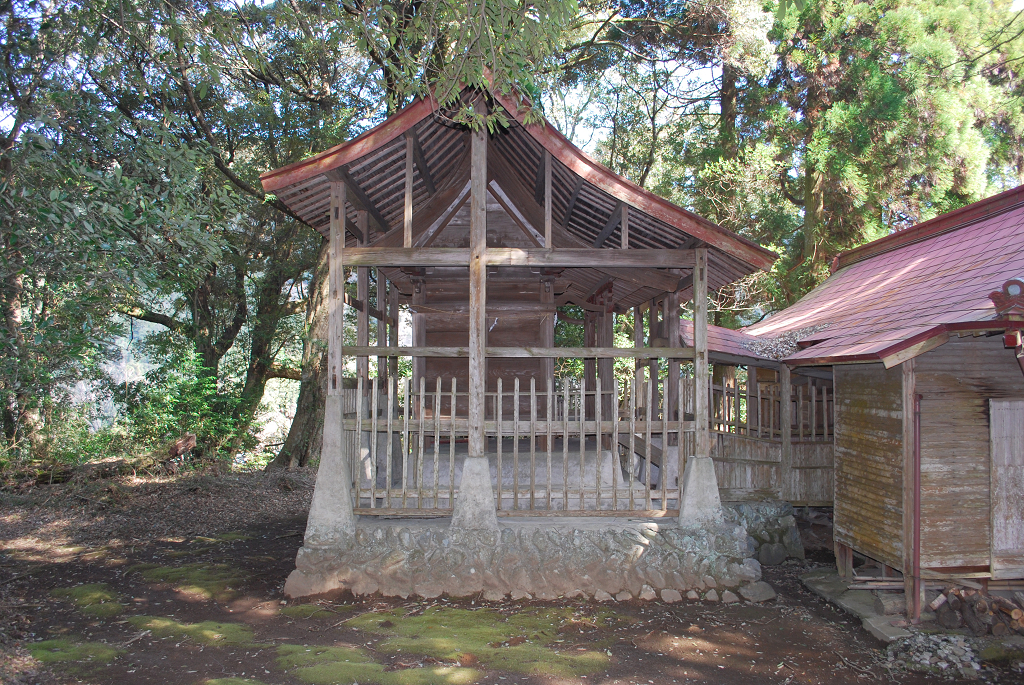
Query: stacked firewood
(980,612)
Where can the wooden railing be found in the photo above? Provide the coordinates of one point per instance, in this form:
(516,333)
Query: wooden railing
(758,413)
(564,450)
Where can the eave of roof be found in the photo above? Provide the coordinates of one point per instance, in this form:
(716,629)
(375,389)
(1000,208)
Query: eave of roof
(554,142)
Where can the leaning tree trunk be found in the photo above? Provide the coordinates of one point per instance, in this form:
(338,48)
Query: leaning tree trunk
(305,437)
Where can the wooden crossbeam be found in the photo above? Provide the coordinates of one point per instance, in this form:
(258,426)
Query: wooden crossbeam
(421,162)
(613,221)
(572,202)
(506,256)
(525,352)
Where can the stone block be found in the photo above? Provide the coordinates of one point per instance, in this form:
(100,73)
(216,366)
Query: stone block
(624,596)
(670,596)
(729,597)
(647,593)
(521,594)
(792,542)
(711,595)
(772,554)
(692,595)
(757,592)
(494,596)
(474,506)
(710,582)
(602,596)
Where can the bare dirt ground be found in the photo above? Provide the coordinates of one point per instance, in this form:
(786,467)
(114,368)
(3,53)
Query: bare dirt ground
(179,580)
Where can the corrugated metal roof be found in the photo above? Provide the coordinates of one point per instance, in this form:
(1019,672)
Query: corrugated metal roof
(897,290)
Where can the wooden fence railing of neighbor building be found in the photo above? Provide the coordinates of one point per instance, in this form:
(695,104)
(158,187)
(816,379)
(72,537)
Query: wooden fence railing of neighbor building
(560,451)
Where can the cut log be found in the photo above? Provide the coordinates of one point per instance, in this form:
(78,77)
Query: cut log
(981,607)
(949,618)
(890,603)
(973,622)
(1019,596)
(937,602)
(1000,629)
(954,602)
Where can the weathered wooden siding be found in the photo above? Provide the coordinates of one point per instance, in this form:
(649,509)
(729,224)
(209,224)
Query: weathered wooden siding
(868,514)
(751,469)
(955,382)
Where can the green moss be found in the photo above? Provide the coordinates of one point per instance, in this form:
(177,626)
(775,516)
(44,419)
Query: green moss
(95,599)
(232,681)
(522,643)
(212,581)
(999,653)
(329,665)
(63,651)
(207,632)
(314,611)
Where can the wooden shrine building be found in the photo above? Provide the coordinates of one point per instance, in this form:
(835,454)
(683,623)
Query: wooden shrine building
(482,236)
(918,338)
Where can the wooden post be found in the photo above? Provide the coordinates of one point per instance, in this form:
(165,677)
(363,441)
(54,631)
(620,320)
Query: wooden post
(419,331)
(672,334)
(702,434)
(474,506)
(751,409)
(407,224)
(363,295)
(786,427)
(336,287)
(638,341)
(589,364)
(548,171)
(382,323)
(605,367)
(911,585)
(547,339)
(392,327)
(625,226)
(653,331)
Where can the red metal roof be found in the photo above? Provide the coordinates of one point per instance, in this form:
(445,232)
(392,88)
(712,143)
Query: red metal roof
(721,340)
(908,287)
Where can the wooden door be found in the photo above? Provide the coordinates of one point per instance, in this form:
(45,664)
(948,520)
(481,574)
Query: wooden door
(1007,445)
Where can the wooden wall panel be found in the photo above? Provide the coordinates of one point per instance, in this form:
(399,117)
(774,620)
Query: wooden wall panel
(749,469)
(955,382)
(868,514)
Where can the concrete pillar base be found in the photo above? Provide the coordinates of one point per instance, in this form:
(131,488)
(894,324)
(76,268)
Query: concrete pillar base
(331,520)
(474,505)
(700,501)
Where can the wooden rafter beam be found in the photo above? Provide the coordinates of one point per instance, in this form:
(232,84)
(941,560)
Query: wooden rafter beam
(361,198)
(613,221)
(421,161)
(513,256)
(572,202)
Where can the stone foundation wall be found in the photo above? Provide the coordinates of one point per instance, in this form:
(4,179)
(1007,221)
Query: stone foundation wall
(772,528)
(601,558)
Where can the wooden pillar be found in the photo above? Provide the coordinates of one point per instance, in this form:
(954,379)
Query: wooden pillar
(638,341)
(363,295)
(605,335)
(786,426)
(589,365)
(912,586)
(547,329)
(702,430)
(382,323)
(393,328)
(407,222)
(477,287)
(336,288)
(474,504)
(419,332)
(674,340)
(653,332)
(548,171)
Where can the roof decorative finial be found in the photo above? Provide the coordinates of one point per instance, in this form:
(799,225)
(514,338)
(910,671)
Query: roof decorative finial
(1009,301)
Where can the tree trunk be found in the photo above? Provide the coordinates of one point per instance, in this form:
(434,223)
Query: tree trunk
(727,130)
(814,205)
(302,446)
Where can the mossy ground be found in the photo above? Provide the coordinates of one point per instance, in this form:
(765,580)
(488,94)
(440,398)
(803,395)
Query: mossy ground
(66,651)
(233,681)
(94,599)
(315,611)
(525,642)
(210,633)
(213,581)
(330,665)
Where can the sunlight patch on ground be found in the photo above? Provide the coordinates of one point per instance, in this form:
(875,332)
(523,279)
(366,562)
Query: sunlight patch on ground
(329,665)
(94,599)
(212,581)
(66,651)
(527,642)
(210,633)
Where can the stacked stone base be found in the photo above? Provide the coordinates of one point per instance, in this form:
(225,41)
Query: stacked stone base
(541,558)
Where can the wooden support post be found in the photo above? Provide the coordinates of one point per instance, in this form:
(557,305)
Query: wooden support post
(702,434)
(672,334)
(653,331)
(786,426)
(547,331)
(638,342)
(625,226)
(392,327)
(751,408)
(474,505)
(362,294)
(606,367)
(336,289)
(407,224)
(548,171)
(589,364)
(382,324)
(911,585)
(419,330)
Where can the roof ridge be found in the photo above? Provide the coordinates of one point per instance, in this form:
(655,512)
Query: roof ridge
(944,223)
